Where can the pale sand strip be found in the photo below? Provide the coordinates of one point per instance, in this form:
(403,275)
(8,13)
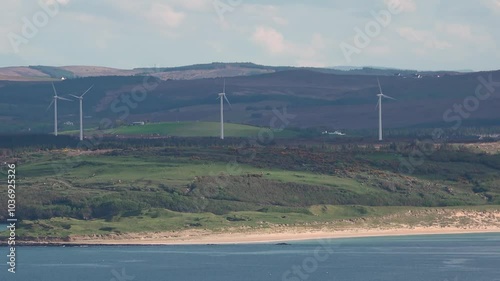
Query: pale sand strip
(282,235)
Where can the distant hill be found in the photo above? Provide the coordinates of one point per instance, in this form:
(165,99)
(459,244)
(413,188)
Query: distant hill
(197,71)
(315,98)
(22,74)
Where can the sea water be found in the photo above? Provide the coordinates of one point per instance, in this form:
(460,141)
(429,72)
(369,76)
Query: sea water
(471,257)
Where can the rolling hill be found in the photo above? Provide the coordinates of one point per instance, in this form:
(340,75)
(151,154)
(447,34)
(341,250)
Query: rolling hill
(189,72)
(308,98)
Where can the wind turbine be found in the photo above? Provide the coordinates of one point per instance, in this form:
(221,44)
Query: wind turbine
(81,110)
(222,97)
(54,101)
(379,105)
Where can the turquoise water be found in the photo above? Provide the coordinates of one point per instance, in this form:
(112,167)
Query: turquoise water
(424,258)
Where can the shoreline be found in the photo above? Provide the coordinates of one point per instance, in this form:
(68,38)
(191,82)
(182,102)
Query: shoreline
(227,238)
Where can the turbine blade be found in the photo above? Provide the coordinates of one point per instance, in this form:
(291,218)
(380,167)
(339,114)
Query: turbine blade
(224,87)
(378,104)
(54,87)
(228,102)
(87,91)
(61,98)
(385,96)
(48,107)
(74,96)
(379,87)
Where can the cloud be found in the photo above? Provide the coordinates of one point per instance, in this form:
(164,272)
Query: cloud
(270,39)
(274,42)
(493,5)
(464,32)
(103,33)
(273,32)
(266,14)
(403,5)
(426,38)
(195,5)
(311,51)
(163,14)
(52,2)
(280,20)
(155,12)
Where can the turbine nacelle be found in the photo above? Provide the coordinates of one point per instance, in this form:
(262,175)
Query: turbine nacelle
(77,97)
(81,110)
(54,102)
(81,97)
(386,96)
(380,95)
(222,97)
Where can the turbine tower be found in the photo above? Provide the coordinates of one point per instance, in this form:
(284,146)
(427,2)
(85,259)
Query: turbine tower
(54,101)
(222,97)
(379,105)
(81,110)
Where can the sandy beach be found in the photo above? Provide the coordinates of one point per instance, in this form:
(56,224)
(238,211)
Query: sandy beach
(437,221)
(195,237)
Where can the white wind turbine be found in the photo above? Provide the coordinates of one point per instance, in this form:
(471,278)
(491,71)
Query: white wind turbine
(54,101)
(81,110)
(379,105)
(222,97)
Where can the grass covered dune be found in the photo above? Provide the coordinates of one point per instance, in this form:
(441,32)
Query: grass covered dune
(177,191)
(166,227)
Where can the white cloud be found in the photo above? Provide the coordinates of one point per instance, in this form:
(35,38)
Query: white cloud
(195,5)
(270,39)
(274,32)
(163,14)
(426,38)
(266,14)
(494,5)
(311,51)
(280,20)
(52,2)
(403,5)
(274,42)
(155,12)
(100,32)
(466,33)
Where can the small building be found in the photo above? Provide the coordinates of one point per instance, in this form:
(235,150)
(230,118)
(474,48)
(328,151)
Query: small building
(138,123)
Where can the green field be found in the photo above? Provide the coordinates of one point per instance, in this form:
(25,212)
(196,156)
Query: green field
(192,129)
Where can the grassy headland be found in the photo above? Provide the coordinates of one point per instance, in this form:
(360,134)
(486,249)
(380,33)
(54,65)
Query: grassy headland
(68,193)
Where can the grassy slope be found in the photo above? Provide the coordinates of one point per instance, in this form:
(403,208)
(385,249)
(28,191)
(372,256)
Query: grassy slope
(192,129)
(276,183)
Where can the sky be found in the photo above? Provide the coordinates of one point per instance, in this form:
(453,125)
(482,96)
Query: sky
(407,34)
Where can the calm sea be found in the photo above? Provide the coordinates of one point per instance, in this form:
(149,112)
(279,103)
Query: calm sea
(424,258)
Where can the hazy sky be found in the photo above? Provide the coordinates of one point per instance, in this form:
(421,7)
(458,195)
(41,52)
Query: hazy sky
(412,34)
